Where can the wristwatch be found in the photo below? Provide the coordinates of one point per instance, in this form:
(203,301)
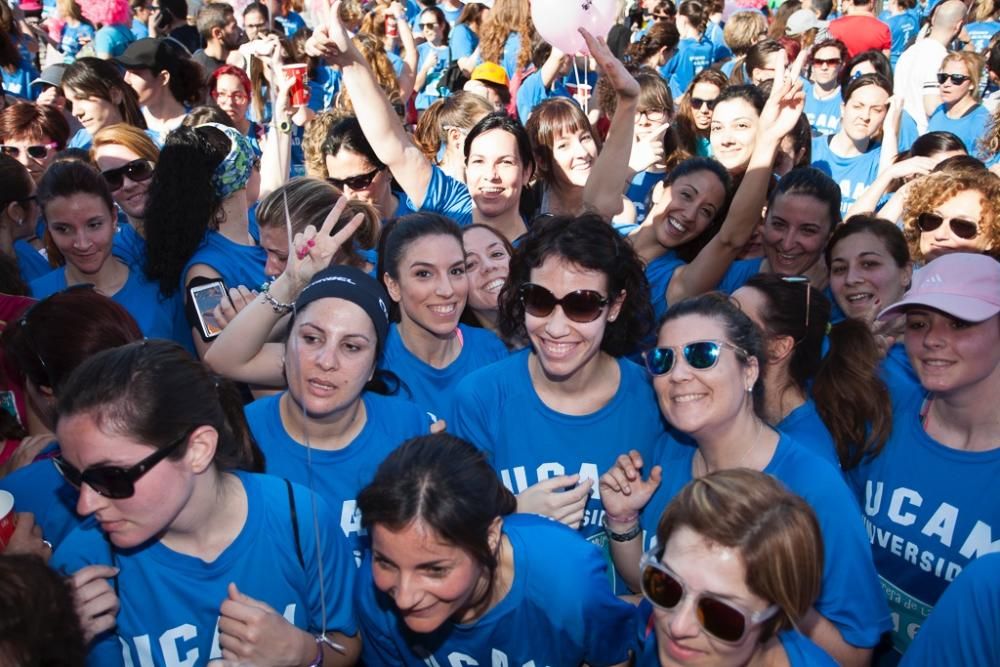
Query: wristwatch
(285,126)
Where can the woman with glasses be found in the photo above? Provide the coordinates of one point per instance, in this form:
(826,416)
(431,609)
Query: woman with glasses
(45,345)
(706,372)
(953,211)
(80,217)
(823,102)
(433,57)
(127,157)
(945,444)
(694,112)
(456,577)
(191,553)
(547,415)
(960,111)
(732,577)
(811,366)
(18,213)
(32,134)
(100,97)
(230,87)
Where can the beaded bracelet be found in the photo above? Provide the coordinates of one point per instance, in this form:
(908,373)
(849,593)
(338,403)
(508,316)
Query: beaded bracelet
(276,306)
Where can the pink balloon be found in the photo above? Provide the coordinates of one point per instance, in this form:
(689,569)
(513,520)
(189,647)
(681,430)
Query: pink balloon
(558,21)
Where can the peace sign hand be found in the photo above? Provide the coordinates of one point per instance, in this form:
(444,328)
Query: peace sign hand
(311,251)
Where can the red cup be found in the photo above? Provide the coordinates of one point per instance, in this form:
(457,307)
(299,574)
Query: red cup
(299,93)
(8,520)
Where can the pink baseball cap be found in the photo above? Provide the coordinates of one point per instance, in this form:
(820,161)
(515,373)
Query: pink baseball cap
(963,285)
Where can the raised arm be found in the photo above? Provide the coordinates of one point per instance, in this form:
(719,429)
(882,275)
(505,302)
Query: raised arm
(245,354)
(603,191)
(275,161)
(869,199)
(383,129)
(408,76)
(782,111)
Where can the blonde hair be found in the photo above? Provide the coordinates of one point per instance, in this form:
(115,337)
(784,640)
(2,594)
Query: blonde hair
(936,188)
(743,30)
(313,138)
(973,65)
(129,136)
(775,531)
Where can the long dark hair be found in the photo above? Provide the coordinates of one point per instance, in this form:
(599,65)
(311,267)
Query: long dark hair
(94,77)
(182,204)
(589,242)
(446,483)
(153,392)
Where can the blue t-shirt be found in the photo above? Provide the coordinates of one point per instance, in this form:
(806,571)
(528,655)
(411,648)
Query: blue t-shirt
(291,23)
(659,272)
(112,40)
(451,15)
(692,56)
(527,442)
(930,510)
(559,611)
(638,191)
(970,128)
(238,264)
(324,87)
(533,92)
(463,41)
(18,82)
(902,28)
(852,174)
(823,115)
(128,246)
(801,651)
(430,93)
(714,34)
(964,628)
(981,33)
(139,29)
(899,376)
(805,427)
(32,263)
(337,476)
(738,273)
(445,195)
(40,489)
(851,598)
(156,315)
(170,601)
(433,389)
(70,42)
(511,51)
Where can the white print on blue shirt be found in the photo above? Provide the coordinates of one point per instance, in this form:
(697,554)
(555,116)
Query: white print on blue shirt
(456,659)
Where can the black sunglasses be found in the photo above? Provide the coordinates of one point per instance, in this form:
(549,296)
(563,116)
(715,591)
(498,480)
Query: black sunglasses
(427,25)
(582,305)
(720,618)
(114,481)
(359,182)
(136,170)
(698,103)
(699,355)
(963,229)
(957,79)
(36,151)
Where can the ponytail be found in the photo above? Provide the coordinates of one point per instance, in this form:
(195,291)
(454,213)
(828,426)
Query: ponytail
(427,135)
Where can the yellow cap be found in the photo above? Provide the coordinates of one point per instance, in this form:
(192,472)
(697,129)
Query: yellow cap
(490,72)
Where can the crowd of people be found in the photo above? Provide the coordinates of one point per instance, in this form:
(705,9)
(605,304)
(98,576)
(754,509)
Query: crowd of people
(385,332)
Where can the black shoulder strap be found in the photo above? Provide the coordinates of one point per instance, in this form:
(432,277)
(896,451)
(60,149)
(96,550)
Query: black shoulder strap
(295,524)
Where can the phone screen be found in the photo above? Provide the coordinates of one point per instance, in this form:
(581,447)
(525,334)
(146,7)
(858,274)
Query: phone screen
(205,298)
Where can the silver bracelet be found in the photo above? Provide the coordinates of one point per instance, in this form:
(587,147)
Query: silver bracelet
(276,306)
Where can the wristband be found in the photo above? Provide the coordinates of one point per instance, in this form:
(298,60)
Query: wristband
(627,536)
(318,660)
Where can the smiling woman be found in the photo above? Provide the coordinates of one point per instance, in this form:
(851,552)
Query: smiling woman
(565,147)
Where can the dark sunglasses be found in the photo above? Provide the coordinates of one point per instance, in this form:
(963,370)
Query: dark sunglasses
(963,229)
(827,62)
(114,481)
(424,26)
(698,103)
(36,151)
(957,79)
(720,618)
(359,182)
(136,170)
(700,355)
(581,306)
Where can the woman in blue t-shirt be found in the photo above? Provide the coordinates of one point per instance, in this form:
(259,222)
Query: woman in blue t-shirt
(804,383)
(100,97)
(487,263)
(930,492)
(76,31)
(455,577)
(707,376)
(433,57)
(189,547)
(80,219)
(734,575)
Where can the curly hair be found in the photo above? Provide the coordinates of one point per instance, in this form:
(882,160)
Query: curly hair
(182,204)
(508,17)
(313,139)
(589,242)
(936,188)
(385,76)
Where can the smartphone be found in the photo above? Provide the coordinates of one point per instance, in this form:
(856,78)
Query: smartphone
(205,297)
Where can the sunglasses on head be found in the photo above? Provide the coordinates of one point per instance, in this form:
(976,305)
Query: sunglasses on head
(581,306)
(963,229)
(698,103)
(114,481)
(826,62)
(359,182)
(720,618)
(700,355)
(136,170)
(36,151)
(957,79)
